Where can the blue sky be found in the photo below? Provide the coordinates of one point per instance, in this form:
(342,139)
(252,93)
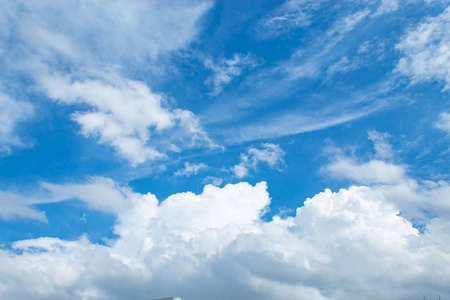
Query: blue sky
(224,150)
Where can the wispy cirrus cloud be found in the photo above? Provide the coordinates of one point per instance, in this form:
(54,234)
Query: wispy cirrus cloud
(290,15)
(288,81)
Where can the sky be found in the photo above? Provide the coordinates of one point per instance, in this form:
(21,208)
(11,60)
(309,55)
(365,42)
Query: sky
(225,150)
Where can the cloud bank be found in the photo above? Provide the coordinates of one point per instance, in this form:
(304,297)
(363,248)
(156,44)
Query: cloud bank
(360,242)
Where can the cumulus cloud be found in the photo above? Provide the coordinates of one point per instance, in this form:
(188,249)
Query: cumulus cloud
(349,244)
(425,51)
(80,62)
(190,169)
(225,70)
(123,113)
(376,170)
(12,112)
(270,154)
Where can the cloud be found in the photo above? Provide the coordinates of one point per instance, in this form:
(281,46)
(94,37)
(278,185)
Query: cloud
(311,63)
(271,154)
(294,123)
(14,207)
(225,70)
(85,62)
(216,181)
(425,51)
(190,169)
(103,33)
(217,239)
(122,113)
(383,150)
(344,65)
(444,122)
(289,16)
(249,116)
(12,112)
(375,171)
(294,14)
(102,194)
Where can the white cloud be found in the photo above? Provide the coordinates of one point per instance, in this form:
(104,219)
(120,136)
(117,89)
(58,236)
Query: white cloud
(344,65)
(289,16)
(77,54)
(13,207)
(444,122)
(271,154)
(216,181)
(291,123)
(375,171)
(12,112)
(425,51)
(106,31)
(351,244)
(225,70)
(190,169)
(123,113)
(383,150)
(99,193)
(387,6)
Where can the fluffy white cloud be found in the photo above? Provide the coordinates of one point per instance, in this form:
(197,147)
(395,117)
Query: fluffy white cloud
(225,70)
(351,244)
(425,49)
(377,170)
(271,154)
(76,53)
(357,243)
(190,169)
(123,113)
(11,113)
